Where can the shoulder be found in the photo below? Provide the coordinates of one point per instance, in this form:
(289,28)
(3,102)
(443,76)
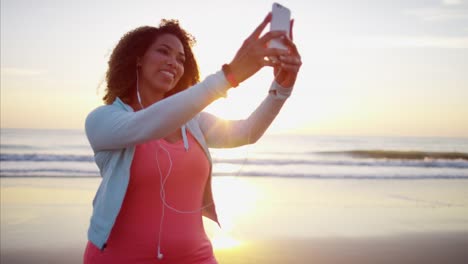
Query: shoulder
(102,111)
(118,106)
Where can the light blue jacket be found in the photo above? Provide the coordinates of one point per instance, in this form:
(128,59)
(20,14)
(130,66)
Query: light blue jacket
(114,130)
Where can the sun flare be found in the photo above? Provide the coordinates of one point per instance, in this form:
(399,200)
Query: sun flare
(223,240)
(236,200)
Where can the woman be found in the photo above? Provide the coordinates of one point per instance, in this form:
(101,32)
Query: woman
(151,141)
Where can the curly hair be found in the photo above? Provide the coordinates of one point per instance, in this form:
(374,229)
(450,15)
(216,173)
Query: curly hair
(121,73)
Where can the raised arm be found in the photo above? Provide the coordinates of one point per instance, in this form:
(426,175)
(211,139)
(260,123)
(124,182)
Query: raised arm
(114,127)
(220,133)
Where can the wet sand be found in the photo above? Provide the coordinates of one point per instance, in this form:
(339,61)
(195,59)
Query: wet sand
(427,248)
(274,221)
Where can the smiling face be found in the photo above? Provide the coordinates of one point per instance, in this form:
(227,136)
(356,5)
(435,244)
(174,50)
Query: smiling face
(161,67)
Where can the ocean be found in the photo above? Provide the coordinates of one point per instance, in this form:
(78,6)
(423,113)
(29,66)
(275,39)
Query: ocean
(66,153)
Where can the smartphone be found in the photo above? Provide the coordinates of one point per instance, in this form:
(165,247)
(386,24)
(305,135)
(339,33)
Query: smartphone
(280,20)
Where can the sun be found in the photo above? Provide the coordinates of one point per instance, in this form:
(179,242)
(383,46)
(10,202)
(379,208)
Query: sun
(223,240)
(232,209)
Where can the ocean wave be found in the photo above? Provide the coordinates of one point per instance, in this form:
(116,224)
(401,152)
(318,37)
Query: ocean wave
(71,173)
(46,157)
(279,161)
(427,163)
(343,176)
(14,146)
(48,172)
(401,155)
(39,147)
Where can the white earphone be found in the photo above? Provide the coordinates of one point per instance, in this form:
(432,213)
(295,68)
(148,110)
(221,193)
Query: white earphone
(163,180)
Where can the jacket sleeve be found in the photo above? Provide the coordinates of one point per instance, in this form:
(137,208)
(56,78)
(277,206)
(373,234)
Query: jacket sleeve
(220,133)
(112,127)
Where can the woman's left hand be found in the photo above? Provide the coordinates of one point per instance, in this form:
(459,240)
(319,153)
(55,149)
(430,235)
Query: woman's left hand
(288,66)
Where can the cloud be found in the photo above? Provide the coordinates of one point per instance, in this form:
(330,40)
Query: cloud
(383,41)
(452,2)
(12,71)
(408,42)
(439,14)
(449,10)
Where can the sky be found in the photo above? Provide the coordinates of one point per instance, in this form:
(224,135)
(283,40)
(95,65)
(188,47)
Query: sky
(370,67)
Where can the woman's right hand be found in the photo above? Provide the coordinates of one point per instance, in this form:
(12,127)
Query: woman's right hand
(253,53)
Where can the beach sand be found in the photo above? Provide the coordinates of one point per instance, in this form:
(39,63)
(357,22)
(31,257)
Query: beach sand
(409,248)
(271,220)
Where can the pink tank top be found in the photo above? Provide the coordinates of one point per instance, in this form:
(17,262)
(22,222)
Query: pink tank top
(135,235)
